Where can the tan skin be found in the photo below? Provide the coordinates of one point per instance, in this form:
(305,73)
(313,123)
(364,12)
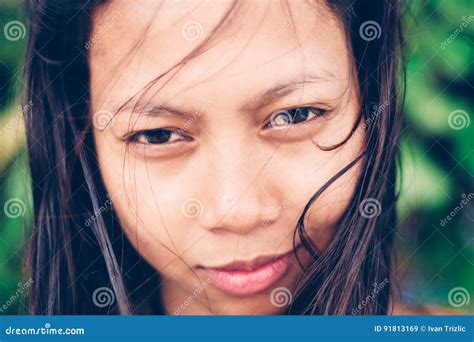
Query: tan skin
(219,139)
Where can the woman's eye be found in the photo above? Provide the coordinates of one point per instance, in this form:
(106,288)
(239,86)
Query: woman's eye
(156,137)
(286,118)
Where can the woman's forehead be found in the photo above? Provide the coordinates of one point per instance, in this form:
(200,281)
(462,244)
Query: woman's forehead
(256,44)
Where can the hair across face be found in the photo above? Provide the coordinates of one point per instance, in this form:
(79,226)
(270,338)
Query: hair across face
(224,134)
(224,151)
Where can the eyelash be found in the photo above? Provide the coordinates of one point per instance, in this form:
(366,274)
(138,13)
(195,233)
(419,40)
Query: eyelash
(136,137)
(290,118)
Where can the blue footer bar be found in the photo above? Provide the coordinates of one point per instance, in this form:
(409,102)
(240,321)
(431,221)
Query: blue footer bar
(237,328)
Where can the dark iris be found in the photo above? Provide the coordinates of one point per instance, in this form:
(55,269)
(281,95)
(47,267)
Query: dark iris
(295,116)
(158,136)
(299,115)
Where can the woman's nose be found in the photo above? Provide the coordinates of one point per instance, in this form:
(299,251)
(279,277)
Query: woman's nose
(239,194)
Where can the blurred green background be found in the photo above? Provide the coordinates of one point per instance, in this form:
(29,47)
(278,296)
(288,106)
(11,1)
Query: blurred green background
(435,255)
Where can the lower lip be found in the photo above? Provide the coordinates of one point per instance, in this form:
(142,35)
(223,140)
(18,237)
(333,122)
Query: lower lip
(248,282)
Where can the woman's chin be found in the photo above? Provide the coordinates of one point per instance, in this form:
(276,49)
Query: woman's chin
(244,308)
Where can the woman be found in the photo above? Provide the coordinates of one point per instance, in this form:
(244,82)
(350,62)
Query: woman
(214,158)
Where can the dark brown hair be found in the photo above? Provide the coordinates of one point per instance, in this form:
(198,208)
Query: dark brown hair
(69,259)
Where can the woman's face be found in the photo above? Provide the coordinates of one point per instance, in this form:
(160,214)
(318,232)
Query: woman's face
(210,167)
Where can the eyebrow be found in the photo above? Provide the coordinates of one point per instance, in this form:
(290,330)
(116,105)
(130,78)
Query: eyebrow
(283,89)
(256,102)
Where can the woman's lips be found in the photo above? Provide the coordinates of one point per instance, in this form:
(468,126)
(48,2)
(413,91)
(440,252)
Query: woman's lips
(241,279)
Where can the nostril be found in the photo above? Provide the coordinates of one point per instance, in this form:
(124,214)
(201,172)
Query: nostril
(219,219)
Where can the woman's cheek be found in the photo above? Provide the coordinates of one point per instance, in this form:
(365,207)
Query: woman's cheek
(316,168)
(148,213)
(327,210)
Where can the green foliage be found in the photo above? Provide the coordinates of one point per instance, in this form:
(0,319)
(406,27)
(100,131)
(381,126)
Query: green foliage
(437,160)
